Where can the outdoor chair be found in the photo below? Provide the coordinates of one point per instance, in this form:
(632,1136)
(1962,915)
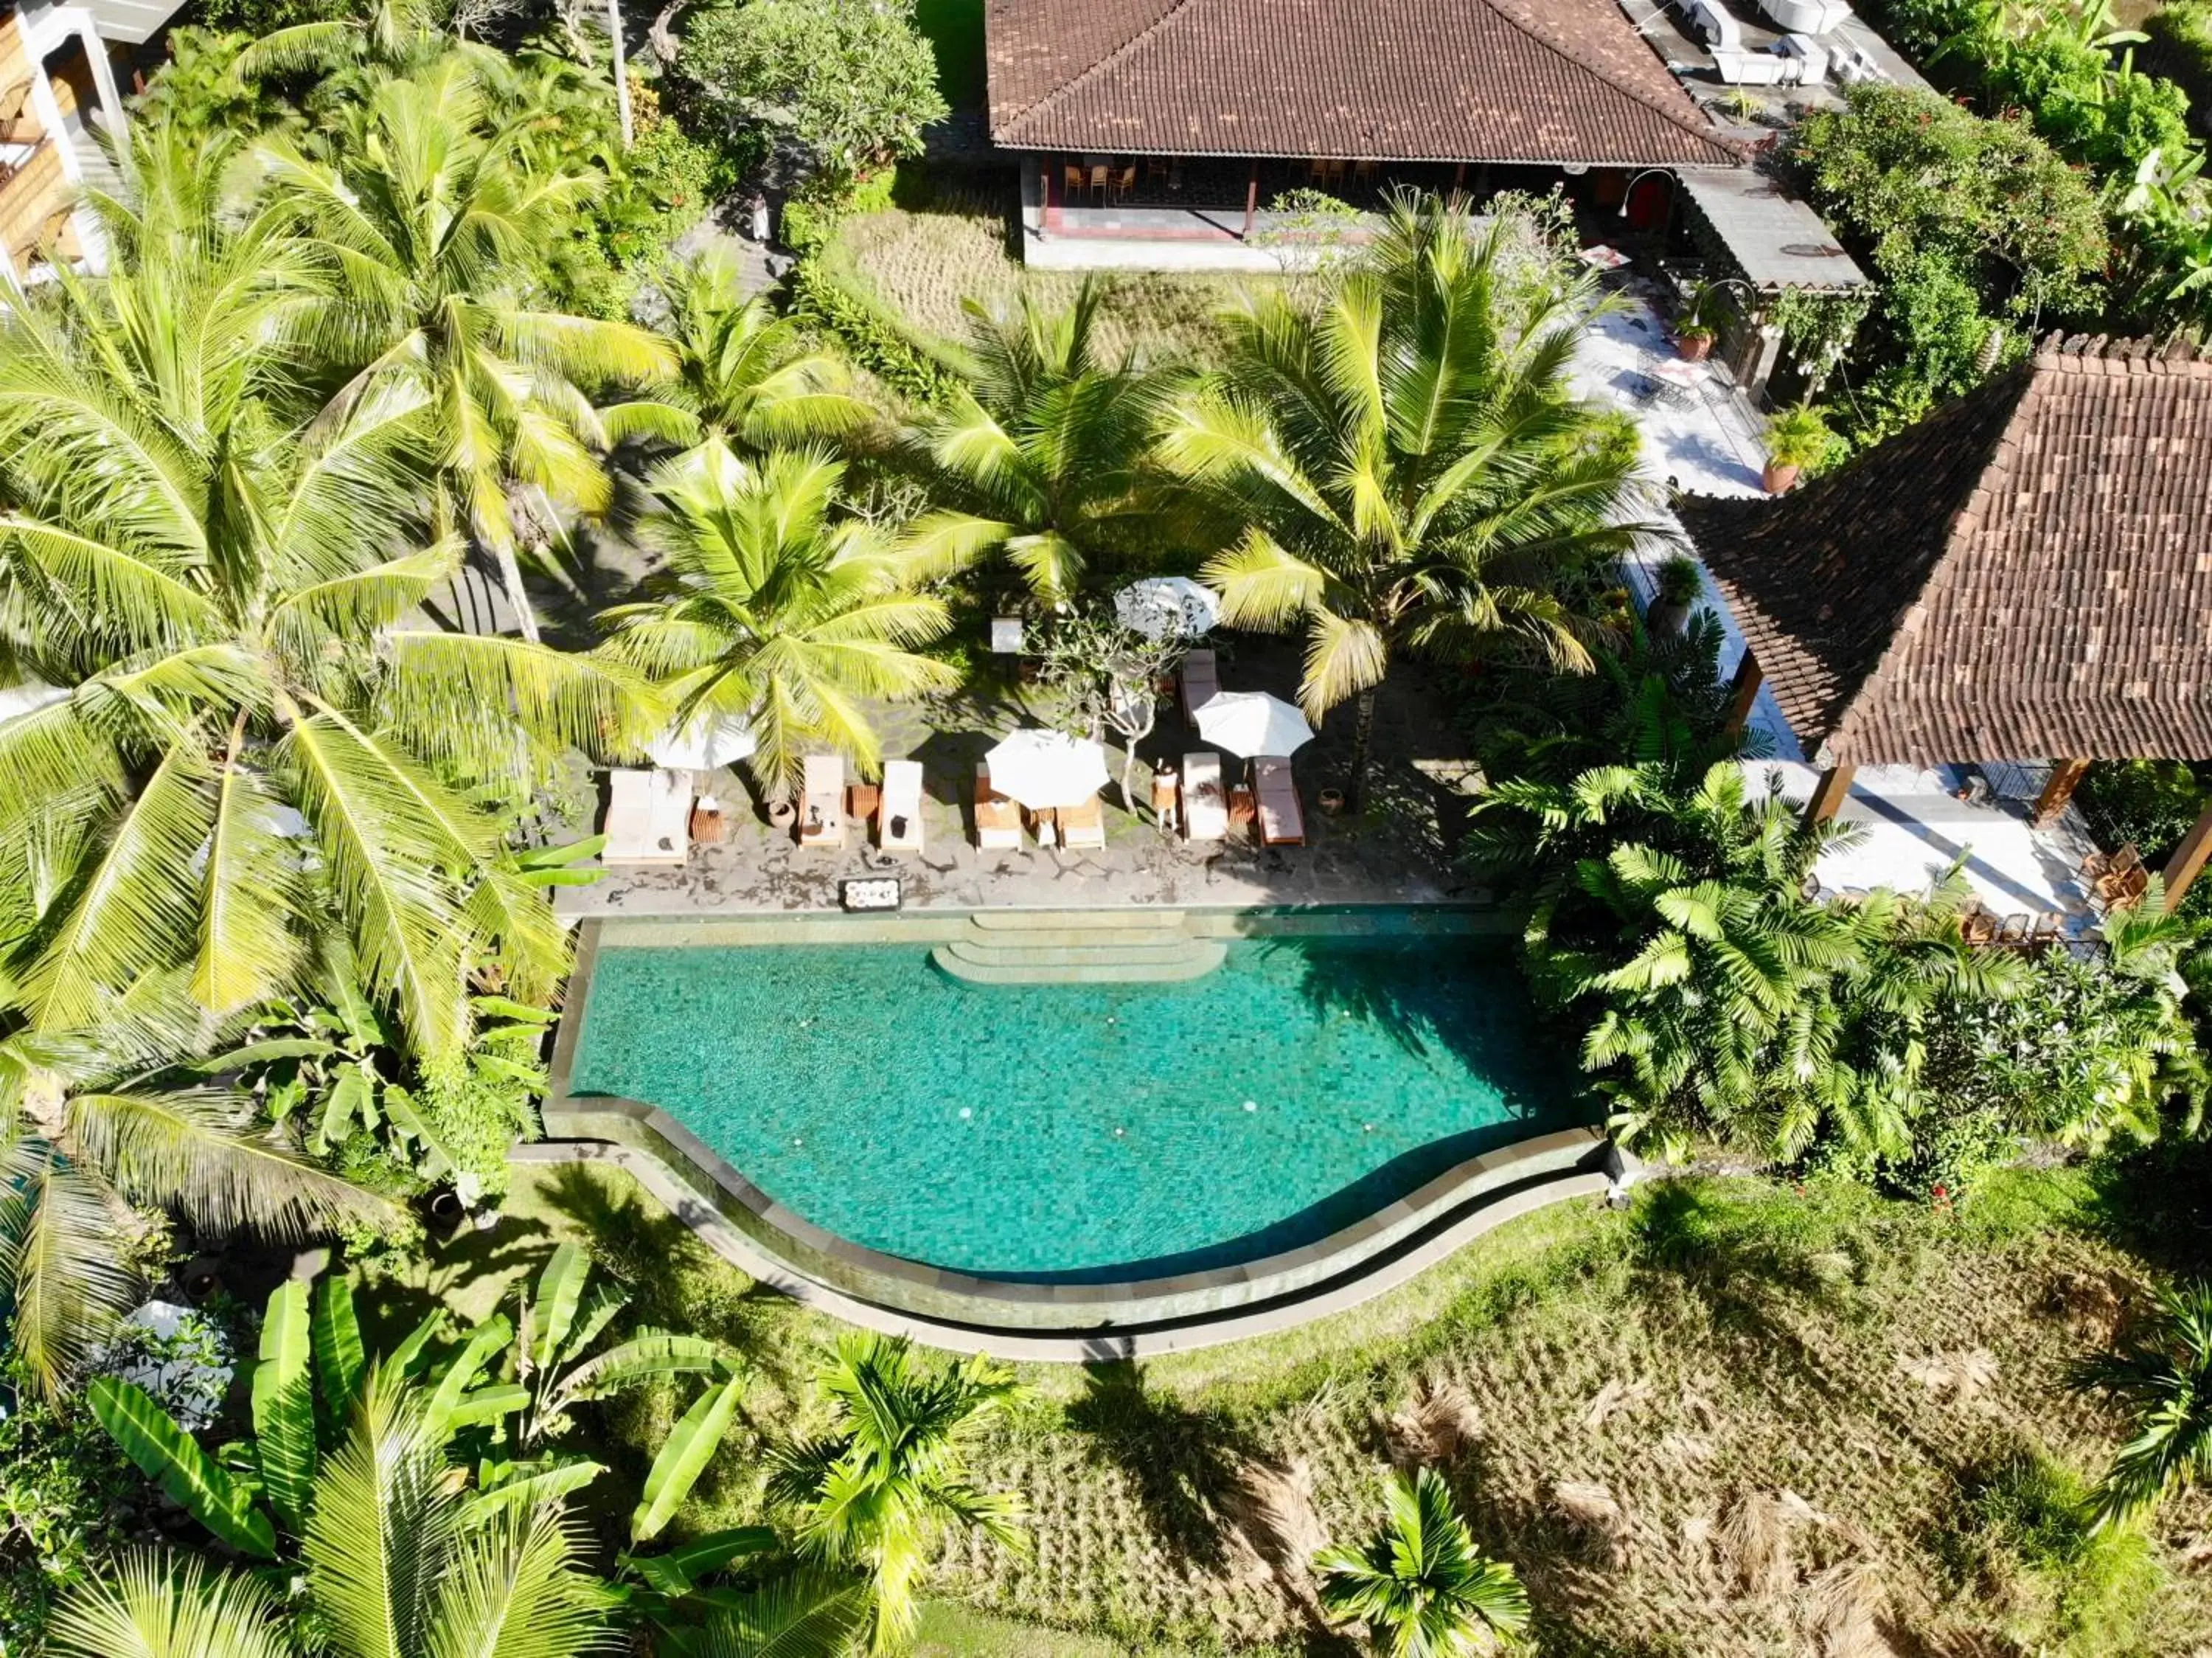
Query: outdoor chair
(898,817)
(1098,183)
(998,820)
(1282,819)
(2098,865)
(1084,825)
(648,820)
(1363,171)
(1125,183)
(2050,927)
(2014,929)
(822,803)
(2121,890)
(1978,926)
(1070,182)
(1205,806)
(1201,683)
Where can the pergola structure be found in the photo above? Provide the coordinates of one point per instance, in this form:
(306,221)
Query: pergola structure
(2028,573)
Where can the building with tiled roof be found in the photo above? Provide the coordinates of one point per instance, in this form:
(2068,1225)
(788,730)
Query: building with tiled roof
(2028,573)
(1545,82)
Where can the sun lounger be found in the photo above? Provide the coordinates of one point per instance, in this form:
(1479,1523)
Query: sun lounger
(822,806)
(1084,825)
(1204,804)
(1282,818)
(898,817)
(998,820)
(1200,682)
(649,818)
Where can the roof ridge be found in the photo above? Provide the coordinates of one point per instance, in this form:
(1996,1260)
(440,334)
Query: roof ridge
(1701,130)
(2020,384)
(1098,65)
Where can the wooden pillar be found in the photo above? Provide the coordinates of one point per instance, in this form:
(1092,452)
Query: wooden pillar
(1835,785)
(1743,692)
(2064,775)
(1251,199)
(2188,859)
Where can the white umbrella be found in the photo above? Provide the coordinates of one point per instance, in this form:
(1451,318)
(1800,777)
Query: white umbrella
(1248,723)
(705,742)
(1043,769)
(1161,605)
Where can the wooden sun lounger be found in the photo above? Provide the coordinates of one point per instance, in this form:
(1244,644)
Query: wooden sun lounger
(648,820)
(1282,816)
(1204,803)
(822,806)
(1084,825)
(1202,682)
(898,816)
(998,820)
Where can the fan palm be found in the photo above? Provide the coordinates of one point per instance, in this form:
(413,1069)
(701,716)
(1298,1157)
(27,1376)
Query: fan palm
(1045,454)
(100,1126)
(1420,1584)
(394,1563)
(2165,1378)
(435,220)
(240,741)
(890,1477)
(744,375)
(777,612)
(1409,464)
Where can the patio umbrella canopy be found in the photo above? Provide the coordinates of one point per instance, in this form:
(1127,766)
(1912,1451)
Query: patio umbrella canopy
(1163,607)
(705,742)
(1248,723)
(1045,770)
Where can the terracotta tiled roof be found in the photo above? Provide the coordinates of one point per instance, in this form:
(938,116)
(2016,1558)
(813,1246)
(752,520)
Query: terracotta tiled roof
(2028,574)
(1542,80)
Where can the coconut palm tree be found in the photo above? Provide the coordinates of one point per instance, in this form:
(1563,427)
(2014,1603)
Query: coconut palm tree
(744,375)
(102,1125)
(777,612)
(2164,1377)
(399,1560)
(1420,1584)
(435,220)
(1044,454)
(235,737)
(880,1490)
(1409,463)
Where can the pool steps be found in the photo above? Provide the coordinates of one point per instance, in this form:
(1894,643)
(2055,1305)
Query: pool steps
(1048,947)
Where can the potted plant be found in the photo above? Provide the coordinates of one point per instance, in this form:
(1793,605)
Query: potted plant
(1797,438)
(1694,327)
(1679,587)
(1694,340)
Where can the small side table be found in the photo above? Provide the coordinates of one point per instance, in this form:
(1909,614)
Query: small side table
(1243,809)
(709,826)
(861,801)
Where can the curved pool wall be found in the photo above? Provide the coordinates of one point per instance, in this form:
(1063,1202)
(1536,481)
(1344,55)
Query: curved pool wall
(1383,1245)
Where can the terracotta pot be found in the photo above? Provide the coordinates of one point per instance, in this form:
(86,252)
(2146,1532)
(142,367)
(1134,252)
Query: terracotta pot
(1666,619)
(1694,348)
(782,813)
(1332,801)
(1780,478)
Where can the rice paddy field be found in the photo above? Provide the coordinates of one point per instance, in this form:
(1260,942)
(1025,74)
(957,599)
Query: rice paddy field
(1740,1419)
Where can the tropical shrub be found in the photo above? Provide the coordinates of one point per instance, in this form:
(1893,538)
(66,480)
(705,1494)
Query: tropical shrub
(69,1502)
(2177,45)
(1411,467)
(849,87)
(1420,1584)
(2027,1529)
(2163,1376)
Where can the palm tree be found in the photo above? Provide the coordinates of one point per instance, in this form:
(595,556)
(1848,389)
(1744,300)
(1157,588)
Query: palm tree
(399,1560)
(1046,453)
(1409,463)
(1420,1584)
(240,741)
(2165,1378)
(777,612)
(880,1489)
(100,1126)
(809,1611)
(744,375)
(436,221)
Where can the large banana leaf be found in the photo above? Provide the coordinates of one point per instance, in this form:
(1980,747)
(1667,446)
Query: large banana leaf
(486,1405)
(170,1457)
(649,1353)
(284,1406)
(676,1572)
(487,1339)
(340,1361)
(553,1308)
(529,1490)
(691,1445)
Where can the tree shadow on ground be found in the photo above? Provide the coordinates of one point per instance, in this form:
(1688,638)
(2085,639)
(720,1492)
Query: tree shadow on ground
(470,1273)
(2157,1204)
(1185,1463)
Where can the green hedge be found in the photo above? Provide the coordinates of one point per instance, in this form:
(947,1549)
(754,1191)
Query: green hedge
(827,290)
(2180,49)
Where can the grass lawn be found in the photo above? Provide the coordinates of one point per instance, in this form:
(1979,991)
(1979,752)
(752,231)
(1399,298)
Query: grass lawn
(1740,1419)
(923,261)
(954,29)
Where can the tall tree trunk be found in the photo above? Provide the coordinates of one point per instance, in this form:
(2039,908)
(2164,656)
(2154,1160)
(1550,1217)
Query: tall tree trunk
(622,71)
(1363,748)
(510,577)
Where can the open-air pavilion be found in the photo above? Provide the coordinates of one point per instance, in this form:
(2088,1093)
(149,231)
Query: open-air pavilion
(2018,585)
(1155,132)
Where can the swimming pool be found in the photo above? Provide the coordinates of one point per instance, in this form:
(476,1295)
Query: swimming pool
(1078,1133)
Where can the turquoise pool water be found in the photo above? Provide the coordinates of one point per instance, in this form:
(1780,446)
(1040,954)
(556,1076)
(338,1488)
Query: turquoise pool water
(1077,1131)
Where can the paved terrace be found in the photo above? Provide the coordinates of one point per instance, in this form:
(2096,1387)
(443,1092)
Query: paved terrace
(1398,852)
